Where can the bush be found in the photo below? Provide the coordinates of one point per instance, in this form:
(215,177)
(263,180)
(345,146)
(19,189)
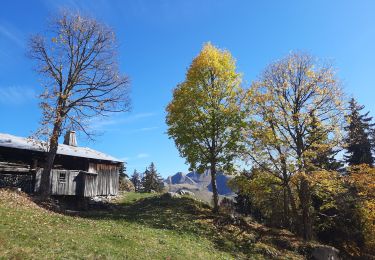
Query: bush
(227,206)
(126,185)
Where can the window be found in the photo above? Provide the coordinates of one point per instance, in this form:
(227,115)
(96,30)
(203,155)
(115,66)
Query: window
(62,177)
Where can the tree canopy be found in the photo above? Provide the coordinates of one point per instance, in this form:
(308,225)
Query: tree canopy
(290,97)
(207,114)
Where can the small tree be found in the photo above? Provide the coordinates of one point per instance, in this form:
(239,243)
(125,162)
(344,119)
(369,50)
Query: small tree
(242,202)
(151,180)
(260,194)
(77,58)
(362,179)
(122,171)
(124,183)
(137,181)
(359,131)
(337,218)
(206,116)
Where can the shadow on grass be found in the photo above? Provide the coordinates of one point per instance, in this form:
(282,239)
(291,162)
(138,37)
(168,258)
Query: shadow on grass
(242,238)
(159,212)
(182,215)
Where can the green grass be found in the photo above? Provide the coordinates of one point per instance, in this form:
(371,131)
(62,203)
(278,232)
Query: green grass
(143,226)
(130,197)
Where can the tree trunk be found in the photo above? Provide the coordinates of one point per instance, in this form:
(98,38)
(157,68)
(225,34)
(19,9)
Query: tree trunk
(45,187)
(295,218)
(214,188)
(286,222)
(286,191)
(305,204)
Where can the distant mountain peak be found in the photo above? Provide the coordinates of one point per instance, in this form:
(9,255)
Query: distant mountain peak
(201,181)
(180,178)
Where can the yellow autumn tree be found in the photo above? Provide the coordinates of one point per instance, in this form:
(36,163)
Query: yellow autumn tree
(288,97)
(206,116)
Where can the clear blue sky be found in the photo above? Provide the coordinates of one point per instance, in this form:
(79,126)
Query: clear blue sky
(158,40)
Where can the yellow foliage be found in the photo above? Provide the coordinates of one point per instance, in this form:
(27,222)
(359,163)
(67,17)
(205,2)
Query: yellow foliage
(207,108)
(328,181)
(362,177)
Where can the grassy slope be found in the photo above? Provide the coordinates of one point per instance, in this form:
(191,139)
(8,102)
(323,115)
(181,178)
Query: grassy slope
(143,226)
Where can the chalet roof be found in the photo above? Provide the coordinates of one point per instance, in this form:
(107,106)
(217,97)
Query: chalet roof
(11,141)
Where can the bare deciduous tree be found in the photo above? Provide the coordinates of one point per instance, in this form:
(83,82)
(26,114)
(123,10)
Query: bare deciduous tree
(77,59)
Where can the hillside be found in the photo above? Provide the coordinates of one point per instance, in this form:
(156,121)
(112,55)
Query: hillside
(138,226)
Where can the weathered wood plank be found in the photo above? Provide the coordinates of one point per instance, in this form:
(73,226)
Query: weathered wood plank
(107,180)
(14,167)
(64,186)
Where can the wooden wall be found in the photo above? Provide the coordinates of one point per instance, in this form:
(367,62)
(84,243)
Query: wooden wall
(78,183)
(84,176)
(108,177)
(71,186)
(100,180)
(90,182)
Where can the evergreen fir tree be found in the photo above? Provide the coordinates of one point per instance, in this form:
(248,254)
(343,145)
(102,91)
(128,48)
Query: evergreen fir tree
(137,181)
(359,141)
(151,180)
(323,153)
(122,176)
(123,173)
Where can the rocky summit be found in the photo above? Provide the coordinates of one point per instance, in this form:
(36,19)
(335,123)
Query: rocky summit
(199,182)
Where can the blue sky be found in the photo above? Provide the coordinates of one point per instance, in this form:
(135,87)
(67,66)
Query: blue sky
(158,39)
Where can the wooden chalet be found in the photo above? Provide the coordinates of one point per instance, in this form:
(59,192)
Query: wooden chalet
(77,171)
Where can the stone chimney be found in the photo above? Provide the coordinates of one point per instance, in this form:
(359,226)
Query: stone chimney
(70,138)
